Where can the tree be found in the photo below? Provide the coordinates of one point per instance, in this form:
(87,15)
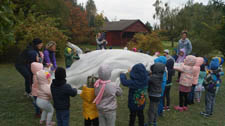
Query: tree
(77,24)
(91,11)
(148,25)
(7,23)
(99,21)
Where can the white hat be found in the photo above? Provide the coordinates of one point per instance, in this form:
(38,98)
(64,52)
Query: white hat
(166,51)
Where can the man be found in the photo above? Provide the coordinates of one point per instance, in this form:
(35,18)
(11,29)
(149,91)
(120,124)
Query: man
(185,43)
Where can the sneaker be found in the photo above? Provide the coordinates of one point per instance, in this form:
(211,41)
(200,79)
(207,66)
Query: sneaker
(178,108)
(204,114)
(185,108)
(168,108)
(42,122)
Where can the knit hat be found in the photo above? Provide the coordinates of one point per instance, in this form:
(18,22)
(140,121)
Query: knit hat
(166,51)
(60,73)
(50,44)
(214,64)
(36,41)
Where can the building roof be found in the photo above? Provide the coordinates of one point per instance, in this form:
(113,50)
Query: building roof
(118,25)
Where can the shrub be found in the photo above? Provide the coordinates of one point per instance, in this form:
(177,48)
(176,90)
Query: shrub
(148,42)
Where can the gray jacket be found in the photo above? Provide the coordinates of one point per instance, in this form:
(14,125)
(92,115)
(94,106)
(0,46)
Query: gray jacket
(186,44)
(108,102)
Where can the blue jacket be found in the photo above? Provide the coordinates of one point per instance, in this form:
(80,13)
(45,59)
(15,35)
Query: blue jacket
(186,44)
(138,85)
(162,59)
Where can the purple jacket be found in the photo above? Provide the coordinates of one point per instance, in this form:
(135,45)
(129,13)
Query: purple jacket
(49,58)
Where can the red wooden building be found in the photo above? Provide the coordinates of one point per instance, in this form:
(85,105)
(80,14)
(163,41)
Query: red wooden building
(118,33)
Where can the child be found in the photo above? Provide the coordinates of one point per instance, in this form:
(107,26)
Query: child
(61,92)
(210,87)
(180,59)
(90,111)
(138,85)
(163,60)
(106,93)
(166,96)
(35,67)
(198,88)
(220,69)
(44,97)
(49,55)
(155,91)
(70,55)
(199,62)
(175,56)
(185,82)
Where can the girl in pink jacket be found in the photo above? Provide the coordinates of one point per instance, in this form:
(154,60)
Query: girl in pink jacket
(186,81)
(44,96)
(196,68)
(35,67)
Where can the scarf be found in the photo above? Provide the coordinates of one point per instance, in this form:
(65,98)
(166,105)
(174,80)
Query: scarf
(101,92)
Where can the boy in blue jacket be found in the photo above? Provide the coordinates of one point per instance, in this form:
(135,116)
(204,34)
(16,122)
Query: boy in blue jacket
(138,85)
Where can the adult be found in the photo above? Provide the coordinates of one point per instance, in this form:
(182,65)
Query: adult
(24,60)
(185,43)
(49,55)
(101,41)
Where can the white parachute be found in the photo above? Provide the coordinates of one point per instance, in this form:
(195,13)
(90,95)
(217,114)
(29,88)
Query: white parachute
(119,60)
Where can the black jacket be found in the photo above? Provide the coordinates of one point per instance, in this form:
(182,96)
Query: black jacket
(169,66)
(61,93)
(156,78)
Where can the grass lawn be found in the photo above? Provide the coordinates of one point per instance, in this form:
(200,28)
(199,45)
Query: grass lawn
(17,110)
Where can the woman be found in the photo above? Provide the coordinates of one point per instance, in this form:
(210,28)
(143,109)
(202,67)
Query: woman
(24,60)
(49,55)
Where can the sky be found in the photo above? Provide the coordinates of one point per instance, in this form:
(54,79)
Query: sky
(115,10)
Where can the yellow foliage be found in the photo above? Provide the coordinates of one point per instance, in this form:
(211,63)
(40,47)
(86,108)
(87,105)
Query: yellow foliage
(149,42)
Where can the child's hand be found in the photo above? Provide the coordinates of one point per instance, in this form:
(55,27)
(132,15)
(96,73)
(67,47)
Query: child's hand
(79,91)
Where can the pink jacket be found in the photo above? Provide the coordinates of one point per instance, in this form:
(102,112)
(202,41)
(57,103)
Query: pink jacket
(44,81)
(186,78)
(35,67)
(199,62)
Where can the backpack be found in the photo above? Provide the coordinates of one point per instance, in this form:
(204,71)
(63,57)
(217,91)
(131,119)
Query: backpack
(140,96)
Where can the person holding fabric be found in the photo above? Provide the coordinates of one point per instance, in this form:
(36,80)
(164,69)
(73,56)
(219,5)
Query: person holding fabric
(106,93)
(138,87)
(49,55)
(24,60)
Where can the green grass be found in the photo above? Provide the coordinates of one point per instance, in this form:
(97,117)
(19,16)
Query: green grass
(17,110)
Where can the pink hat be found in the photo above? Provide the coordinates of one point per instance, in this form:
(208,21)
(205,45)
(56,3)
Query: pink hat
(134,49)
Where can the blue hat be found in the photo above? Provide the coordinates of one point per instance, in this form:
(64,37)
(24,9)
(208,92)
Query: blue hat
(161,59)
(214,64)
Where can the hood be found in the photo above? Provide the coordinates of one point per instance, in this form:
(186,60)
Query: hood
(139,74)
(58,83)
(35,67)
(161,59)
(214,64)
(199,61)
(43,77)
(221,60)
(158,68)
(190,60)
(104,72)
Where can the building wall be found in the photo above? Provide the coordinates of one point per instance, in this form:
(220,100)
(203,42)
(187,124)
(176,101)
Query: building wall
(113,38)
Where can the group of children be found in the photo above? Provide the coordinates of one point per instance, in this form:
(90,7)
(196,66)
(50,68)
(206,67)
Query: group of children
(99,94)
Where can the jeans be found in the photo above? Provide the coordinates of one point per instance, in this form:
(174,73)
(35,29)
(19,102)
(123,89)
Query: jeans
(107,118)
(63,117)
(93,122)
(27,75)
(209,102)
(37,109)
(160,107)
(153,107)
(47,108)
(191,95)
(133,115)
(166,96)
(183,96)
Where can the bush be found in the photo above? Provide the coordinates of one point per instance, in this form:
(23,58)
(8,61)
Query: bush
(43,28)
(148,42)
